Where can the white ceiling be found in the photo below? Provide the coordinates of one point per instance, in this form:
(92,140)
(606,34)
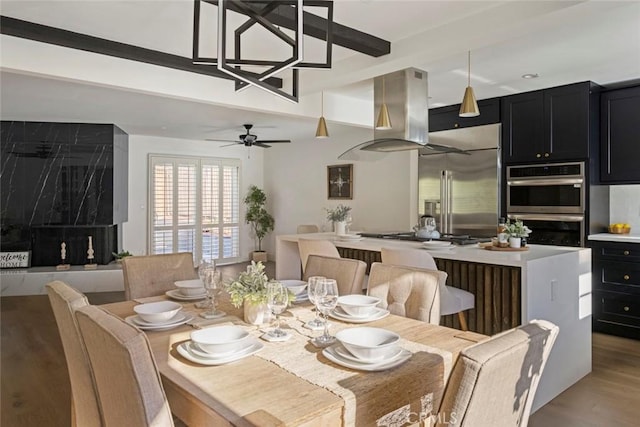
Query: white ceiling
(562,41)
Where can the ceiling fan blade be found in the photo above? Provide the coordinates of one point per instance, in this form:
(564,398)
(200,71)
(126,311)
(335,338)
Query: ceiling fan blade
(224,140)
(229,145)
(274,141)
(260,144)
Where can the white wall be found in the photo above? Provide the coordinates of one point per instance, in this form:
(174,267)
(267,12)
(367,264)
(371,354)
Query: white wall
(624,206)
(140,146)
(295,180)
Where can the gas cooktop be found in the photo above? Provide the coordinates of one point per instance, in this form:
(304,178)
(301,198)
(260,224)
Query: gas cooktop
(462,239)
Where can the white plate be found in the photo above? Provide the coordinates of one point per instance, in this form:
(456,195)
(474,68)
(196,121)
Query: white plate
(344,353)
(196,350)
(436,249)
(187,317)
(184,349)
(378,314)
(176,294)
(175,319)
(304,296)
(436,244)
(349,239)
(331,354)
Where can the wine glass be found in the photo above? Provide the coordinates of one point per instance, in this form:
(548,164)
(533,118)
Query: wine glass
(315,290)
(348,220)
(430,224)
(326,303)
(203,267)
(213,285)
(277,301)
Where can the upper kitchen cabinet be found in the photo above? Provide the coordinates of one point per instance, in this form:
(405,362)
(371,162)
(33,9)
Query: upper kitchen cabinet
(620,128)
(550,125)
(446,118)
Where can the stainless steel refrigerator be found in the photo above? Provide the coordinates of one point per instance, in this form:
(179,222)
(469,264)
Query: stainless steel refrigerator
(459,180)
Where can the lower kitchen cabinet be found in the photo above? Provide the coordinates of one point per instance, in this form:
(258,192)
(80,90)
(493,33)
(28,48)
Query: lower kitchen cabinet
(616,288)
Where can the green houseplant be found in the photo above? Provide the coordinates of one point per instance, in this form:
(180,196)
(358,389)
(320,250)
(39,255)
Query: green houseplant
(257,216)
(339,216)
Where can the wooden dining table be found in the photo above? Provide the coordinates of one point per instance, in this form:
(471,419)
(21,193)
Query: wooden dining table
(293,383)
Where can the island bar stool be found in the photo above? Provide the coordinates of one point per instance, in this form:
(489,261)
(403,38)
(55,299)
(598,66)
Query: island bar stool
(348,273)
(129,387)
(308,247)
(493,383)
(407,291)
(307,228)
(85,410)
(151,275)
(452,300)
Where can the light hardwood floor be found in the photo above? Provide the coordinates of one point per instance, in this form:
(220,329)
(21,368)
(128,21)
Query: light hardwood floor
(35,386)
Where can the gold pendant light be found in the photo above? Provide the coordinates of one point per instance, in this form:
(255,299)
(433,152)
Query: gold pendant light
(469,106)
(321,131)
(383,121)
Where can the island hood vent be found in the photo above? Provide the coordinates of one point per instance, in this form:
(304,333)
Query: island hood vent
(406,95)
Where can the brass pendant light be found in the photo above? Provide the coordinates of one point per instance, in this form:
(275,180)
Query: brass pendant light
(321,130)
(469,106)
(383,121)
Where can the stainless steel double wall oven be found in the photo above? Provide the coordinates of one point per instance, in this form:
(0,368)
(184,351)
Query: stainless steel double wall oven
(551,199)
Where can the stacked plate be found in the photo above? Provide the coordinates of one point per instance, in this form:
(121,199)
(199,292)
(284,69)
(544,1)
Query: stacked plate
(367,349)
(437,245)
(298,288)
(348,237)
(219,345)
(188,290)
(156,316)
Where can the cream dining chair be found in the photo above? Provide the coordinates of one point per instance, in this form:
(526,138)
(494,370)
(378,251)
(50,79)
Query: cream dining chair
(493,383)
(407,291)
(65,300)
(452,300)
(348,273)
(308,247)
(129,387)
(307,228)
(151,275)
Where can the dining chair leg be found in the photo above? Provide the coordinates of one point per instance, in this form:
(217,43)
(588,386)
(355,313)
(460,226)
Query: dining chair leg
(463,321)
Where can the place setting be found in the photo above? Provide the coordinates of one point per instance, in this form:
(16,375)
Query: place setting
(349,237)
(437,245)
(158,316)
(358,309)
(219,345)
(367,349)
(298,288)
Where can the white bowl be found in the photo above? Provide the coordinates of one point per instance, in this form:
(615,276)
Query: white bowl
(190,288)
(157,312)
(220,340)
(295,286)
(358,305)
(369,344)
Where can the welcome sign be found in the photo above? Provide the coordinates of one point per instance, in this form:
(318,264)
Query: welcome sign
(14,259)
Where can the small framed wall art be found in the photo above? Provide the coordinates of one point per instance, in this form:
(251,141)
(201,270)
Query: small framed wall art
(340,182)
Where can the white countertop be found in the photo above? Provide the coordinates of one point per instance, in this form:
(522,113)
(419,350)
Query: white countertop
(609,237)
(470,253)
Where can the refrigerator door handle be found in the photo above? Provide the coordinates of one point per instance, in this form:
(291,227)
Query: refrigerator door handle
(449,202)
(444,200)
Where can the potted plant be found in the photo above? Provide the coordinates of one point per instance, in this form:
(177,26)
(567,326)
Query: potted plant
(261,221)
(517,231)
(118,256)
(250,290)
(338,216)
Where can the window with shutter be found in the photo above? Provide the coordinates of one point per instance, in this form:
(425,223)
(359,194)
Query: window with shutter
(195,207)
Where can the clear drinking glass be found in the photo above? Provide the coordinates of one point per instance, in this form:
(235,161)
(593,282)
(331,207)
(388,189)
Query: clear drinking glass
(326,303)
(203,267)
(348,220)
(213,285)
(277,301)
(314,291)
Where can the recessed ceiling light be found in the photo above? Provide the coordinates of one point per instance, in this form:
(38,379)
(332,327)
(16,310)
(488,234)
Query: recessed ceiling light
(530,76)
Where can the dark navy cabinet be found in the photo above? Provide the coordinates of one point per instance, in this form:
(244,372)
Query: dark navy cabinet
(446,118)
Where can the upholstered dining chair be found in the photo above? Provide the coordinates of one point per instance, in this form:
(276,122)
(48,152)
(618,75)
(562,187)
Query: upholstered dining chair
(493,383)
(307,228)
(65,300)
(129,387)
(348,273)
(308,247)
(151,275)
(452,300)
(407,291)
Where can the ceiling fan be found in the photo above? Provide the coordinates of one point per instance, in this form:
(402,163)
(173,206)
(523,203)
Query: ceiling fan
(250,140)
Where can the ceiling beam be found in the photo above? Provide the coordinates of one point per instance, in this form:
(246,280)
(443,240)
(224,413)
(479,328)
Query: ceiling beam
(316,26)
(56,36)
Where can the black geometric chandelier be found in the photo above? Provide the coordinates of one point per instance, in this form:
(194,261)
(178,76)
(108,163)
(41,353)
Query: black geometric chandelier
(272,16)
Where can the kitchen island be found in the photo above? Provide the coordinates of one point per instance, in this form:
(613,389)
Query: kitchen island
(511,288)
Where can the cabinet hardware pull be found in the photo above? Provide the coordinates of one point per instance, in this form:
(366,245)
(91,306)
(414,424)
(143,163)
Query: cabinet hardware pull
(546,154)
(626,277)
(538,155)
(626,252)
(626,308)
(455,125)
